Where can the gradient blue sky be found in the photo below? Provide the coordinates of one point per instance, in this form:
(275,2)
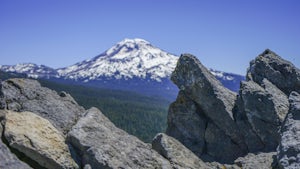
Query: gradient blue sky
(224,35)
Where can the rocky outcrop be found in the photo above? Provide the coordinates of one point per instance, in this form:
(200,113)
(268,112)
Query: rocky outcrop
(38,139)
(261,111)
(218,125)
(28,95)
(289,147)
(101,144)
(278,71)
(213,134)
(178,155)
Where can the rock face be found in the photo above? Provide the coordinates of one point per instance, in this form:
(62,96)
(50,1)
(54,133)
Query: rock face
(102,145)
(28,95)
(213,134)
(38,139)
(261,110)
(218,125)
(178,155)
(289,147)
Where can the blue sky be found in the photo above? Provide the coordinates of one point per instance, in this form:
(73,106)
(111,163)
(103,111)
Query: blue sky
(224,35)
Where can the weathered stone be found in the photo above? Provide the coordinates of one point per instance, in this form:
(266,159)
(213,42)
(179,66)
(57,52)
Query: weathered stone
(260,115)
(178,155)
(102,145)
(186,124)
(213,103)
(38,139)
(28,95)
(253,161)
(289,147)
(219,147)
(8,160)
(280,72)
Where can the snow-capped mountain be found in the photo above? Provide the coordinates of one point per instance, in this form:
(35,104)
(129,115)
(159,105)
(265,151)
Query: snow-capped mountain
(31,70)
(132,64)
(130,58)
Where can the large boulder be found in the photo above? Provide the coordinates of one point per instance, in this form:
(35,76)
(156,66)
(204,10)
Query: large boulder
(101,144)
(28,95)
(260,113)
(37,139)
(280,72)
(215,132)
(178,155)
(289,147)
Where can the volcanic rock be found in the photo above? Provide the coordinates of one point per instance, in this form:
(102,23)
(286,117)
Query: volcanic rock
(289,147)
(178,155)
(37,139)
(262,110)
(28,95)
(101,144)
(280,72)
(212,104)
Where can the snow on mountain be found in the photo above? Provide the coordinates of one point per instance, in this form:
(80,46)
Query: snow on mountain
(32,70)
(127,59)
(222,75)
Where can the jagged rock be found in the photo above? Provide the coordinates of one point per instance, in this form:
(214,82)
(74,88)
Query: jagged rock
(289,147)
(28,95)
(37,139)
(186,124)
(253,161)
(8,160)
(213,104)
(280,72)
(102,145)
(178,155)
(262,110)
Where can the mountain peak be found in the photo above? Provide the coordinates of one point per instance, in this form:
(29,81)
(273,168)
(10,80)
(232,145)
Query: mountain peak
(128,45)
(135,40)
(129,58)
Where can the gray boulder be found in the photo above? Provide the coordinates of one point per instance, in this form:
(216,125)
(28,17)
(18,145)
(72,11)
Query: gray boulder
(261,111)
(178,155)
(212,104)
(280,72)
(28,95)
(101,144)
(289,147)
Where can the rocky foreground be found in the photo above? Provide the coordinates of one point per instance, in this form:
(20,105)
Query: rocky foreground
(208,125)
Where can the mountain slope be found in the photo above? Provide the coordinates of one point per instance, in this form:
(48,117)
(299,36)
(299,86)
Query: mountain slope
(132,64)
(127,59)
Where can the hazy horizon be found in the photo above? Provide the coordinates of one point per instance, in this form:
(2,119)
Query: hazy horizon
(224,36)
